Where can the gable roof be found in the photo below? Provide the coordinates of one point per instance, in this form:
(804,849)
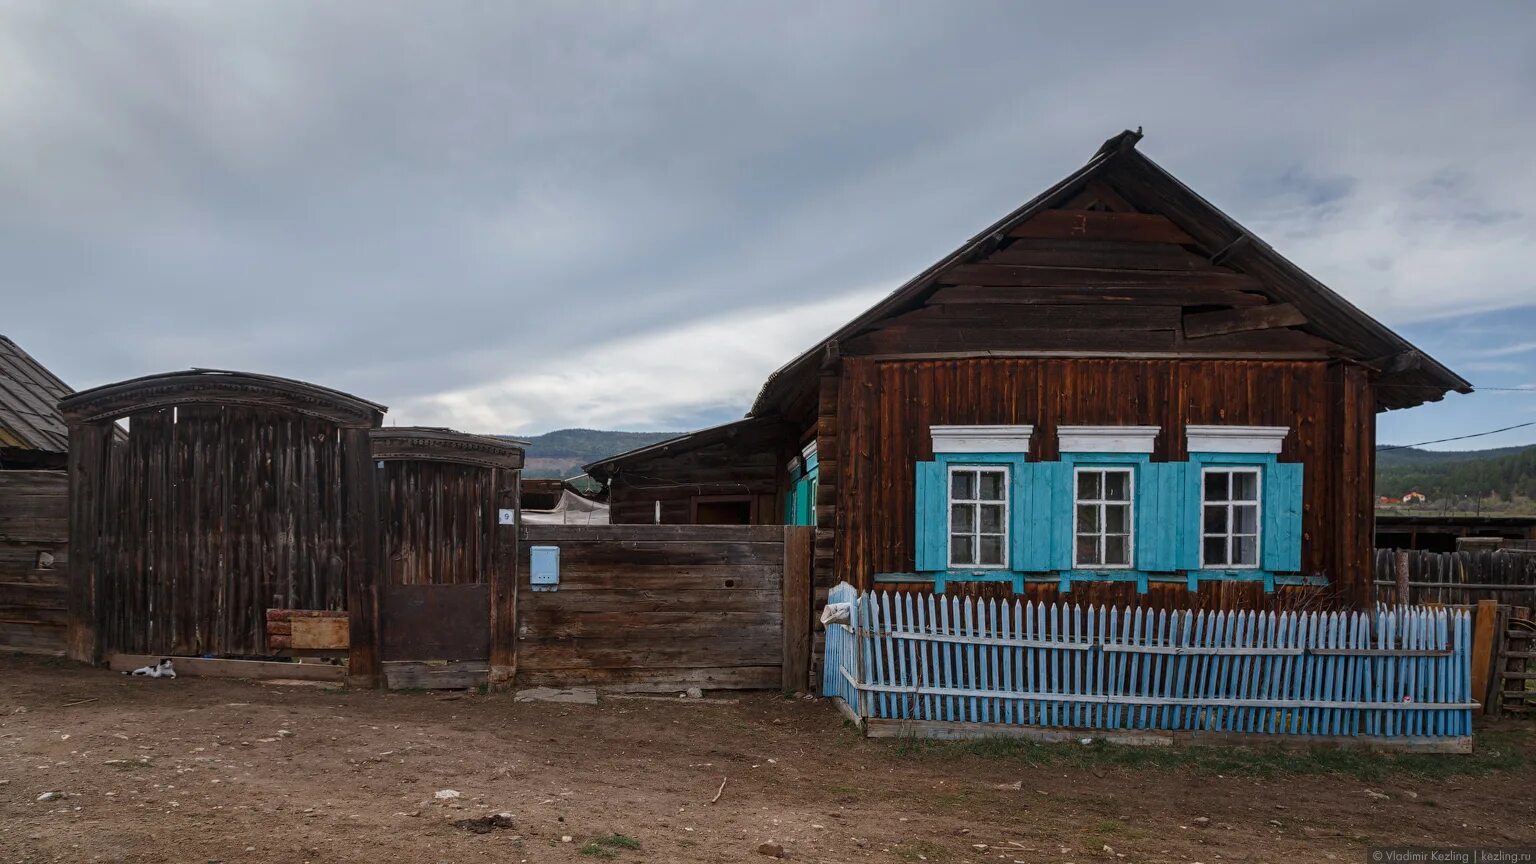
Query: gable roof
(1408,376)
(29,403)
(748,428)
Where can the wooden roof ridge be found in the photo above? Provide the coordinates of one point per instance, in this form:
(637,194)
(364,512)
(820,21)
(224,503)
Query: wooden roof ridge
(1417,377)
(219,386)
(608,465)
(29,402)
(441,444)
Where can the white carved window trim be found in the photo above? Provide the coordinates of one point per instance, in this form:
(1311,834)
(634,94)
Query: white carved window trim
(980,439)
(1235,439)
(1107,439)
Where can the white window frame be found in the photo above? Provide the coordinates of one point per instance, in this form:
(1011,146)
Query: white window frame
(949,502)
(1130,528)
(1258,516)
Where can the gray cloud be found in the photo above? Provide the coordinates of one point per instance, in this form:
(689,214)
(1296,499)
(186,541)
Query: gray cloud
(422,201)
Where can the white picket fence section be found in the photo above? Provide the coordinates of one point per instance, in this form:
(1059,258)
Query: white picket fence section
(1394,673)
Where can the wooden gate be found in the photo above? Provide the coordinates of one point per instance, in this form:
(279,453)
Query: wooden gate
(443,557)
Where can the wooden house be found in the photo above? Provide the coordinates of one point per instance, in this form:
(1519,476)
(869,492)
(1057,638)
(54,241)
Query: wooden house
(1115,393)
(34,504)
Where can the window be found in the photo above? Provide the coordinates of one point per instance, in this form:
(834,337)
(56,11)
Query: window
(1102,517)
(723,510)
(978,517)
(1229,517)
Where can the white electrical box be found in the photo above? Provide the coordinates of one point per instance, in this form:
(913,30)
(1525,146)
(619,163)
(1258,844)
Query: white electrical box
(544,568)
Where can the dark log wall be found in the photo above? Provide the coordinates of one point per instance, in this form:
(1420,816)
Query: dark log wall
(729,468)
(438,522)
(886,407)
(208,516)
(34,560)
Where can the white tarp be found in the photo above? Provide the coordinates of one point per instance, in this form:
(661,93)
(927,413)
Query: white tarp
(572,510)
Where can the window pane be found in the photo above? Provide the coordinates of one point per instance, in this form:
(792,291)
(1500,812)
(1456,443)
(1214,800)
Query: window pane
(1216,485)
(1117,518)
(991,550)
(1088,485)
(1087,550)
(992,486)
(991,519)
(962,484)
(1117,551)
(1216,519)
(1245,551)
(960,550)
(1245,519)
(1215,551)
(1117,485)
(962,518)
(1245,486)
(1087,519)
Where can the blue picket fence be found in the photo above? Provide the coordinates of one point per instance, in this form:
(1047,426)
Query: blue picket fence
(1394,673)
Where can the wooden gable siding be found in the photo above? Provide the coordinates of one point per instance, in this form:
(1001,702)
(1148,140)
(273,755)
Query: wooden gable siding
(885,408)
(1087,282)
(728,468)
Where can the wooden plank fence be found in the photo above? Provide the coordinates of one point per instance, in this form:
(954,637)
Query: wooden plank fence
(665,607)
(1457,578)
(929,664)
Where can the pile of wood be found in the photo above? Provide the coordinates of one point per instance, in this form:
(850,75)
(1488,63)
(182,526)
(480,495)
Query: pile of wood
(316,630)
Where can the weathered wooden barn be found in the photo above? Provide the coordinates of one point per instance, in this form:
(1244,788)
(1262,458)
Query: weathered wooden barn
(1115,393)
(34,515)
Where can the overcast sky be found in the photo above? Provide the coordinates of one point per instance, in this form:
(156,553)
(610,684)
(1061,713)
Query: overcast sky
(514,217)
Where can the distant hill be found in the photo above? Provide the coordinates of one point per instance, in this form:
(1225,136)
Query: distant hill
(561,453)
(1505,476)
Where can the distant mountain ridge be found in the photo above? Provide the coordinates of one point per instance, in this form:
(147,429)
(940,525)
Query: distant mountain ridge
(561,453)
(1503,475)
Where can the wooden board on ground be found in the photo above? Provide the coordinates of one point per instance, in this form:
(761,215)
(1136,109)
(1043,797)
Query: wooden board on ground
(205,667)
(877,728)
(412,675)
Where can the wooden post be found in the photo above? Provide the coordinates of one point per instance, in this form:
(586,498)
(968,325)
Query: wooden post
(90,446)
(1403,595)
(799,541)
(363,570)
(1484,628)
(504,577)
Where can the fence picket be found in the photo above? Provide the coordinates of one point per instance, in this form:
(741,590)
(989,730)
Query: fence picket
(1375,674)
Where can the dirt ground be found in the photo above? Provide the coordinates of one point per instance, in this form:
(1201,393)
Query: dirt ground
(215,770)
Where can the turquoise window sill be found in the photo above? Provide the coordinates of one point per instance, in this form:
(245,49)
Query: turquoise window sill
(1065,579)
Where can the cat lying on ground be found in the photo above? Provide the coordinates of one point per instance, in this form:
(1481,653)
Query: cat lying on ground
(163,669)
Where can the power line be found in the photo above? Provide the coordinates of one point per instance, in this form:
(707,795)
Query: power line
(1457,438)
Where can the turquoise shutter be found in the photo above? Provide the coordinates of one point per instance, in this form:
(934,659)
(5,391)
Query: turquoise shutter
(932,517)
(1163,528)
(1042,497)
(1187,535)
(1281,542)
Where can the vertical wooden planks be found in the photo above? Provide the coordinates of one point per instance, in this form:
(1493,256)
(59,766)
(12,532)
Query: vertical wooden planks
(502,571)
(799,549)
(1336,674)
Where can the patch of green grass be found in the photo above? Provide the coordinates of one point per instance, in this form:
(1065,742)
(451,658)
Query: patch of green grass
(602,847)
(1494,752)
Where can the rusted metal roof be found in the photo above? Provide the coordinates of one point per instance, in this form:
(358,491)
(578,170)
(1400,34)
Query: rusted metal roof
(29,403)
